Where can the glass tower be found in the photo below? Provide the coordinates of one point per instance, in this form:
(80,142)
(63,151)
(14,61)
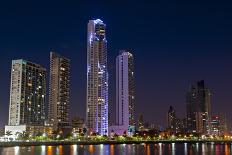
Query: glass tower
(97,78)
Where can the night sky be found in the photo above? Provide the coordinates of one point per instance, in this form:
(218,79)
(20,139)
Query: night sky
(174,44)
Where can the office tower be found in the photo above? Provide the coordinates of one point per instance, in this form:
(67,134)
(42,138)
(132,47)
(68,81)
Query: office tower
(59,91)
(27,94)
(97,78)
(198,108)
(125,90)
(171,119)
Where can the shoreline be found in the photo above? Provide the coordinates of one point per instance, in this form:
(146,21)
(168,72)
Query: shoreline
(56,143)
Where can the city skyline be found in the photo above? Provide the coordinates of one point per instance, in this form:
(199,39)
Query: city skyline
(154,62)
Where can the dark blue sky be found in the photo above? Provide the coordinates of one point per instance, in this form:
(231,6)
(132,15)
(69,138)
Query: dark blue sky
(174,44)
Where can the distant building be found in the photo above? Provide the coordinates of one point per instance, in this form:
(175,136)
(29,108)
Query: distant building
(140,123)
(174,124)
(180,126)
(59,92)
(218,123)
(97,78)
(27,94)
(198,109)
(77,124)
(171,119)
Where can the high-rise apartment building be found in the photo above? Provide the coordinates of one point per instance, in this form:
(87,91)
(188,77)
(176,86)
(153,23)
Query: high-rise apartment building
(125,90)
(198,109)
(97,78)
(59,91)
(27,94)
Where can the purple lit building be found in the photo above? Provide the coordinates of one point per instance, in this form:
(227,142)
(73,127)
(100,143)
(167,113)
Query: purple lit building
(97,78)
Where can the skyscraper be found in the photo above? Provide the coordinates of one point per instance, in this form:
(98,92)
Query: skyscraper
(27,94)
(171,119)
(125,90)
(198,108)
(59,91)
(97,78)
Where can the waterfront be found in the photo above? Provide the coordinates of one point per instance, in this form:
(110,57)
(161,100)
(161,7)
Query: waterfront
(160,148)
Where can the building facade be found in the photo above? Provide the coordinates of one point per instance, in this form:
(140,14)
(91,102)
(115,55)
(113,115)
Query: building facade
(125,90)
(97,78)
(198,109)
(59,91)
(27,94)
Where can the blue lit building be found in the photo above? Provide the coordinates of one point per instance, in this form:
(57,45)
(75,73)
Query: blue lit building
(97,78)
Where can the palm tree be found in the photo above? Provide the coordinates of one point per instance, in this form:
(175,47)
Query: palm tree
(8,133)
(54,134)
(17,134)
(24,135)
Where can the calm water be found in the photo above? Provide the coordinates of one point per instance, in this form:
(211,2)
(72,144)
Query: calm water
(166,149)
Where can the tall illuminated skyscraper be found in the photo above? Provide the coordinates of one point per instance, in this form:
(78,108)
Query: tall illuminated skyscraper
(59,91)
(27,94)
(125,90)
(198,109)
(97,78)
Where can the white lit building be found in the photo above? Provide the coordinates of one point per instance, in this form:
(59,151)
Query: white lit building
(27,94)
(125,93)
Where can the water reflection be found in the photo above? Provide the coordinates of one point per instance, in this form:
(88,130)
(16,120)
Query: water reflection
(217,149)
(227,149)
(185,148)
(16,150)
(160,148)
(173,149)
(43,150)
(111,149)
(147,149)
(102,149)
(91,149)
(49,150)
(74,150)
(197,147)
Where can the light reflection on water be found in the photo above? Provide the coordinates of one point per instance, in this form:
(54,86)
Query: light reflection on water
(185,148)
(173,149)
(160,148)
(146,149)
(43,148)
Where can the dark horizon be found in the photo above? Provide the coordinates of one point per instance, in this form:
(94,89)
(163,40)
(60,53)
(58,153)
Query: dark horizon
(174,45)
